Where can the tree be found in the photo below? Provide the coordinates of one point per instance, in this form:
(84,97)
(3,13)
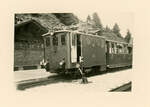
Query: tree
(97,21)
(116,30)
(67,18)
(128,36)
(88,19)
(107,29)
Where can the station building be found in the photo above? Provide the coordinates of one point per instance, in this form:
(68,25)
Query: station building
(28,44)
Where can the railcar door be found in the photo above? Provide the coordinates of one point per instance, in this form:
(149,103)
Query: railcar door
(73,48)
(79,51)
(76,51)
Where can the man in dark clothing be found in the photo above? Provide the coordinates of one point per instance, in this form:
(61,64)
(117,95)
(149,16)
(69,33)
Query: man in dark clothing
(84,79)
(81,70)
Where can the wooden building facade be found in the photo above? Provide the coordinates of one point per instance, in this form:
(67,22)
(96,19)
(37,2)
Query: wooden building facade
(28,45)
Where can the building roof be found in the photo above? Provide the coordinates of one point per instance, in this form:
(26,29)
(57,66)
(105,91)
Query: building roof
(29,30)
(31,21)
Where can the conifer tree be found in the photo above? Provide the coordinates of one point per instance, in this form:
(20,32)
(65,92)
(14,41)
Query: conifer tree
(116,30)
(88,19)
(97,21)
(107,29)
(128,36)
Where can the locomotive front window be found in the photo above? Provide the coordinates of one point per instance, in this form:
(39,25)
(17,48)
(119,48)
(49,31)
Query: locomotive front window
(47,41)
(55,40)
(63,40)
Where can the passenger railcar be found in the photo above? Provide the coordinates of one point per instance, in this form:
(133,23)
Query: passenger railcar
(70,47)
(119,54)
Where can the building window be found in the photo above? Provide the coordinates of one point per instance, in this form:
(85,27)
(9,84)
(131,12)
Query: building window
(55,40)
(47,41)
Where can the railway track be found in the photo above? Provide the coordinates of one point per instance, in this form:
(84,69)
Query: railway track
(125,87)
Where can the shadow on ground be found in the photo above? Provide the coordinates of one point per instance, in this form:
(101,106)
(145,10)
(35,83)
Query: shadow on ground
(22,85)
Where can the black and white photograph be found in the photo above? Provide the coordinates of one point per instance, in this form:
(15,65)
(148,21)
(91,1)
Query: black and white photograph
(63,50)
(74,53)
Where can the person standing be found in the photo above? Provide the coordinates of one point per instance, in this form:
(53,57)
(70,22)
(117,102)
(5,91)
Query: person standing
(82,72)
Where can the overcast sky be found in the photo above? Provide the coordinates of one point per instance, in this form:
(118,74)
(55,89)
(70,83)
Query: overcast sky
(124,20)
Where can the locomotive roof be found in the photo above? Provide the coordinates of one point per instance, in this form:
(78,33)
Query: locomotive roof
(80,33)
(107,36)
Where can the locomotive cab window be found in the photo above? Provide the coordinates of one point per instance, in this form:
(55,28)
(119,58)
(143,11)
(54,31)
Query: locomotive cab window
(63,39)
(55,40)
(47,41)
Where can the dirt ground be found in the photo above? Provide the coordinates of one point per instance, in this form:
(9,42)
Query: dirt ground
(98,83)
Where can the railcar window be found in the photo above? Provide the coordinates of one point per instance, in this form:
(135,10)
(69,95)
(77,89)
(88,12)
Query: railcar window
(63,39)
(106,47)
(130,50)
(113,47)
(119,48)
(127,52)
(122,48)
(55,40)
(110,49)
(125,49)
(47,41)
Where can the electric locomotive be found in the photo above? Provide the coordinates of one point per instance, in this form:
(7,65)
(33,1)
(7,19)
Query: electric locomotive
(65,50)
